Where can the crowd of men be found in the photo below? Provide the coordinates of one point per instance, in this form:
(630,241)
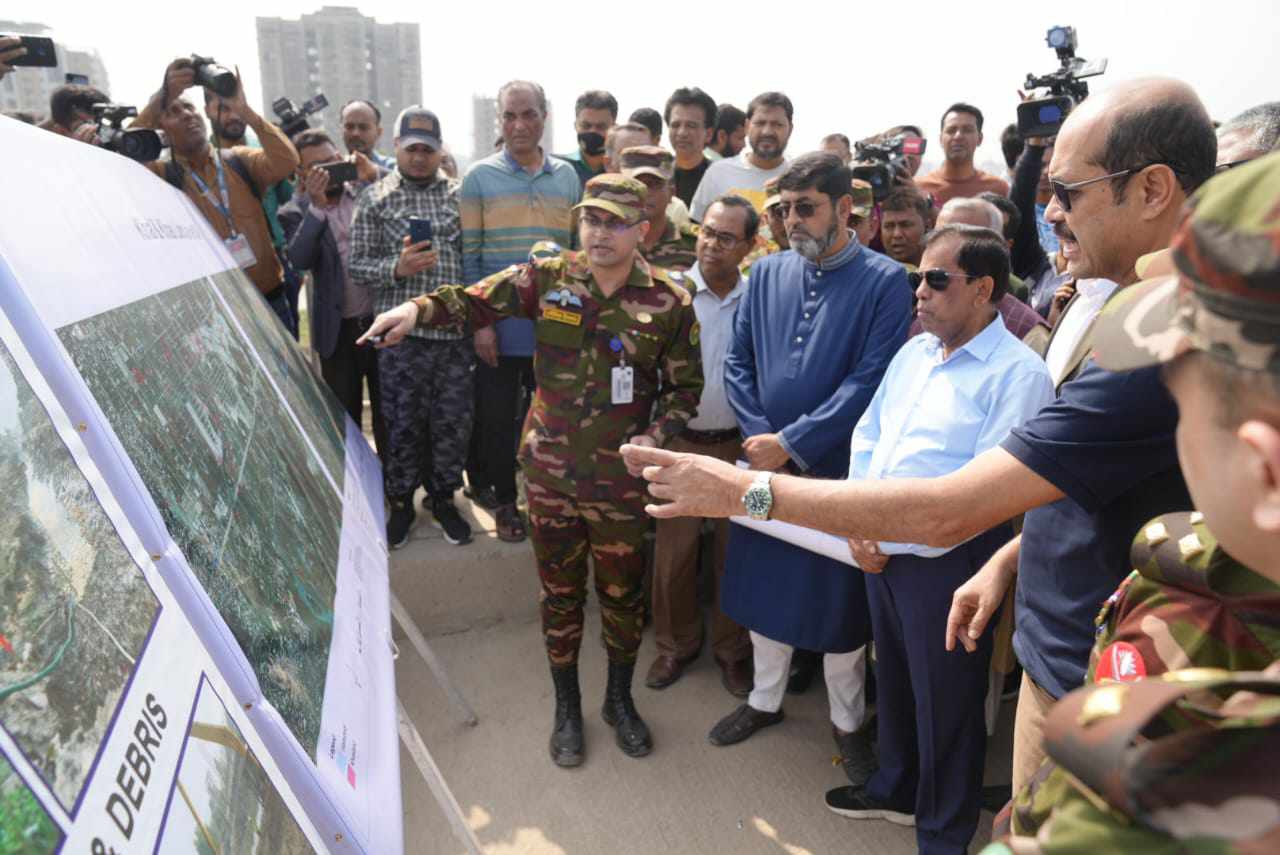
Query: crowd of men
(1052,396)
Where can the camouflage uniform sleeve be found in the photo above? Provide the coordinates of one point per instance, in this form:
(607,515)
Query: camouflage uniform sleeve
(510,293)
(681,375)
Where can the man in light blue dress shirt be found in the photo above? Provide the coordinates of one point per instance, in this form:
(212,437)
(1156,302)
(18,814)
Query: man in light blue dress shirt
(949,394)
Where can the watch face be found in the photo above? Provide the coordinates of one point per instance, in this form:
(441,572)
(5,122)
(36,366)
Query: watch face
(757,501)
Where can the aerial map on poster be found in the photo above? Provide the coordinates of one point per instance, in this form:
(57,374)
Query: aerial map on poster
(75,610)
(215,446)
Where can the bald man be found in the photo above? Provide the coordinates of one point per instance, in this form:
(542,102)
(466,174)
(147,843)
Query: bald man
(1088,470)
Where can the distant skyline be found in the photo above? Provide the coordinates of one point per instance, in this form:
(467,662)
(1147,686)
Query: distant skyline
(880,69)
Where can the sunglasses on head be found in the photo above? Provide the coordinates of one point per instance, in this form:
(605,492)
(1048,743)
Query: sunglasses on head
(937,278)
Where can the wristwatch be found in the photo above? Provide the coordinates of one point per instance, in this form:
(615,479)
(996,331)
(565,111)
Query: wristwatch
(758,500)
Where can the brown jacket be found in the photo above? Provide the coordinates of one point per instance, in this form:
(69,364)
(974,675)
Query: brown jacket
(268,165)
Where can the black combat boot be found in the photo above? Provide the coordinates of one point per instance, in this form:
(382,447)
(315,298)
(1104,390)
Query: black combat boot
(566,737)
(620,712)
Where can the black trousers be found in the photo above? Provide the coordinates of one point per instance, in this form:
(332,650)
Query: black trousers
(348,369)
(502,400)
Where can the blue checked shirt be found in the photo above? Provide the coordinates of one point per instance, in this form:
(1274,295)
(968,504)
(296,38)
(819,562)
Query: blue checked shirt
(377,235)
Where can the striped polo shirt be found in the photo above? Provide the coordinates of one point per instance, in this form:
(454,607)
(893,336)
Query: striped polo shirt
(505,211)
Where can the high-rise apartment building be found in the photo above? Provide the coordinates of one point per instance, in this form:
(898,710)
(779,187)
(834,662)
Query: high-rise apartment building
(345,55)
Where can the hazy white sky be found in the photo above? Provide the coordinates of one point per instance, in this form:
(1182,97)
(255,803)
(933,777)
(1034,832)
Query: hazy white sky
(855,68)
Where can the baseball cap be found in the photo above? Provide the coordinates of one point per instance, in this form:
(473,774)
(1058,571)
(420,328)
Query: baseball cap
(1222,294)
(618,194)
(418,124)
(648,160)
(772,196)
(864,199)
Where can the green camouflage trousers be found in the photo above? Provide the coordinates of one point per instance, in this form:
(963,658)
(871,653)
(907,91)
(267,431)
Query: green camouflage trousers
(564,530)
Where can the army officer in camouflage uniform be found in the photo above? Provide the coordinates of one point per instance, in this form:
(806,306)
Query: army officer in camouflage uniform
(617,360)
(667,245)
(1153,757)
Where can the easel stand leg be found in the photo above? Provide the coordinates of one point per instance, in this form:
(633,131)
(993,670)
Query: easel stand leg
(431,774)
(428,655)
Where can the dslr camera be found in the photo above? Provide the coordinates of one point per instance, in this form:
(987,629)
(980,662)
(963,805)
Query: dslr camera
(214,77)
(140,144)
(1043,117)
(880,162)
(293,119)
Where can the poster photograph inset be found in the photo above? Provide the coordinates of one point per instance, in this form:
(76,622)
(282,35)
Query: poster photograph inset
(75,610)
(222,800)
(24,825)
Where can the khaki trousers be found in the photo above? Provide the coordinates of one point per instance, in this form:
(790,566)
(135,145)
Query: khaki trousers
(1028,732)
(677,623)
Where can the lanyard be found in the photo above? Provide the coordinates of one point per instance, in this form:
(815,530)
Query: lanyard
(224,207)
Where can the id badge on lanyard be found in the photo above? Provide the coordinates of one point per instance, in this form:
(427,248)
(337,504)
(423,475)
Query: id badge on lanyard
(621,377)
(237,244)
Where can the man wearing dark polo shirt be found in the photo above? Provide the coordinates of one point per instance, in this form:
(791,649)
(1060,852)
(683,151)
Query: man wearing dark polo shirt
(1088,470)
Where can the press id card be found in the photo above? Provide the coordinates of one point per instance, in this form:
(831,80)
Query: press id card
(240,250)
(623,384)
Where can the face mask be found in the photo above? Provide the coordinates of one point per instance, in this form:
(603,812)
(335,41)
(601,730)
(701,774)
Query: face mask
(591,143)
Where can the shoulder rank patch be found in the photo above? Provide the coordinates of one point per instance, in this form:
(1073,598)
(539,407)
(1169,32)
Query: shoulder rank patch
(1120,662)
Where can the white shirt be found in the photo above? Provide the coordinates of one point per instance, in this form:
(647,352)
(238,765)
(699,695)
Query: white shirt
(1092,295)
(733,175)
(715,322)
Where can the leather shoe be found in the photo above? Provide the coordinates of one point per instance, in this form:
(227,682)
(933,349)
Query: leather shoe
(665,670)
(740,724)
(738,677)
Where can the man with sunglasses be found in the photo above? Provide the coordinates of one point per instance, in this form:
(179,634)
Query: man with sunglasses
(1088,470)
(949,394)
(617,360)
(812,339)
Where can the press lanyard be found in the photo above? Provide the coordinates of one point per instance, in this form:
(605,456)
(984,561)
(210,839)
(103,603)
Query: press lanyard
(224,207)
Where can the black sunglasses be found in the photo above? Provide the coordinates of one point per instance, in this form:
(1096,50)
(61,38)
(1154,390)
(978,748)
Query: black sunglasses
(1062,191)
(804,210)
(937,278)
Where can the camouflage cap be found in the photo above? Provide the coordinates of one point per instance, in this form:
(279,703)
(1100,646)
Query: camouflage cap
(1223,293)
(864,200)
(772,196)
(619,195)
(648,160)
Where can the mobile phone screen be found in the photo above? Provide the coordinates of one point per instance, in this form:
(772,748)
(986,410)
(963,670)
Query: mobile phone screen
(419,230)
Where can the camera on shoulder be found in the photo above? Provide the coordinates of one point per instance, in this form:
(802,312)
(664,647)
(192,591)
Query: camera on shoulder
(140,144)
(878,163)
(293,119)
(1043,117)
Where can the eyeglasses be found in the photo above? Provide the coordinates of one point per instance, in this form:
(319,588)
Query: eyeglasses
(937,278)
(613,224)
(1062,191)
(804,210)
(1223,167)
(724,240)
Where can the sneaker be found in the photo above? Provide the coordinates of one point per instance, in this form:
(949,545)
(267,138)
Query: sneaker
(455,528)
(854,803)
(510,525)
(400,521)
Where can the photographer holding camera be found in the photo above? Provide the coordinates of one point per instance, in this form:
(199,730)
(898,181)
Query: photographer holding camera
(227,185)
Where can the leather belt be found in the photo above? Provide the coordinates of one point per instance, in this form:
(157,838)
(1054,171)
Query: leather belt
(710,437)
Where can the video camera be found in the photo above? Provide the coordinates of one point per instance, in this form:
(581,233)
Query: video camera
(293,119)
(214,77)
(140,144)
(885,159)
(1043,117)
